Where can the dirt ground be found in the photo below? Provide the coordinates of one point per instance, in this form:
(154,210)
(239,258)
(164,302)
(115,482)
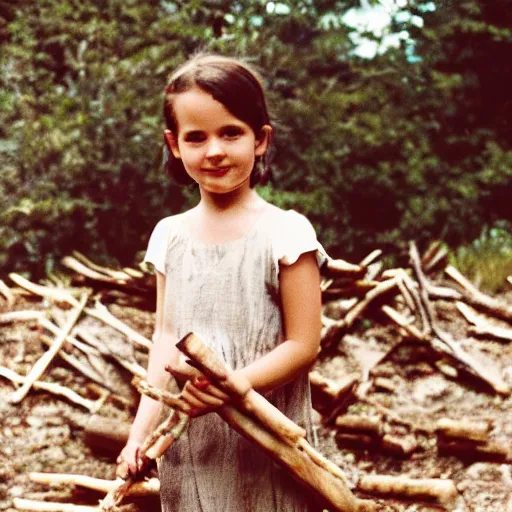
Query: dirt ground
(45,434)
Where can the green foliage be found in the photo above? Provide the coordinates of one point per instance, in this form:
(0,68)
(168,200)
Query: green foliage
(487,261)
(413,144)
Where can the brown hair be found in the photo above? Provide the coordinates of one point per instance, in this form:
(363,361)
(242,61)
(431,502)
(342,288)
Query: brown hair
(229,81)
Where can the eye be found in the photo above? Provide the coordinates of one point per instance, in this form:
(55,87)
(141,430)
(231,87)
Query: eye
(194,137)
(232,132)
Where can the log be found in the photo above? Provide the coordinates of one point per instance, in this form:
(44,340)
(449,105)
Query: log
(47,506)
(55,389)
(352,423)
(254,418)
(149,487)
(40,366)
(251,401)
(402,446)
(468,450)
(80,367)
(106,435)
(441,492)
(357,441)
(462,429)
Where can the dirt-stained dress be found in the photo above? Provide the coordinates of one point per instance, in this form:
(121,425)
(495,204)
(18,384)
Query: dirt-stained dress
(226,293)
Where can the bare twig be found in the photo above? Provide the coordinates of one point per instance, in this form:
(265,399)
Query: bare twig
(39,368)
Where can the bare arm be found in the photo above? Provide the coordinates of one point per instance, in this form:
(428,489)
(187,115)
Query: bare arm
(301,303)
(163,352)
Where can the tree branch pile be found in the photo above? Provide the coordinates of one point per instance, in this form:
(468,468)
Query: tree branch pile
(405,298)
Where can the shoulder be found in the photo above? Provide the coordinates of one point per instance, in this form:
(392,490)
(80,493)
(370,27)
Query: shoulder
(163,233)
(293,235)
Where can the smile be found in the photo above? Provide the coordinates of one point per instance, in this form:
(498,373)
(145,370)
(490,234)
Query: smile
(217,170)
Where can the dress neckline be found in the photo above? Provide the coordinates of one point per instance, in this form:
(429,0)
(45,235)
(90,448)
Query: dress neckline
(228,243)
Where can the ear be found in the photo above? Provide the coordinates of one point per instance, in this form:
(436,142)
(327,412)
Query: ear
(263,140)
(172,143)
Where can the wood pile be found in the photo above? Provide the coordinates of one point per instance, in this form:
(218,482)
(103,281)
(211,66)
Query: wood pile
(403,297)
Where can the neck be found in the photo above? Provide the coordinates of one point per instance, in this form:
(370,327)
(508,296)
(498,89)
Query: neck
(223,203)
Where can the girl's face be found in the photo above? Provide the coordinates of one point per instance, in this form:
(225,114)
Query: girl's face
(217,149)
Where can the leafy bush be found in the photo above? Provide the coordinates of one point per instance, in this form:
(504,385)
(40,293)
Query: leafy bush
(487,261)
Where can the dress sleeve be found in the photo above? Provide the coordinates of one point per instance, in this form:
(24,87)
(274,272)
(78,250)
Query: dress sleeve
(297,236)
(157,246)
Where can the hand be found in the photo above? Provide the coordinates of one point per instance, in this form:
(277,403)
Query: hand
(202,396)
(198,391)
(129,463)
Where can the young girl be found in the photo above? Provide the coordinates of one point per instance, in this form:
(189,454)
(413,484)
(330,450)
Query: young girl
(243,275)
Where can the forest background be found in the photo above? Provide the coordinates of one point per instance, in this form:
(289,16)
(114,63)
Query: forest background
(414,143)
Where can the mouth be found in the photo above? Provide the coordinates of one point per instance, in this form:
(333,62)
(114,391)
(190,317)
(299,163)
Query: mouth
(217,170)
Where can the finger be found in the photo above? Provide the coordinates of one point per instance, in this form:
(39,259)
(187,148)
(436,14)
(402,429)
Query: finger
(217,392)
(191,399)
(182,373)
(122,470)
(204,397)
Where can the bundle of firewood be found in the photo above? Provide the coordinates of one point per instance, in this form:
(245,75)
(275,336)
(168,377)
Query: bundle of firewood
(404,296)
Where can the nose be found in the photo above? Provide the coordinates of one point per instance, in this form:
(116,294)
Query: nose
(215,149)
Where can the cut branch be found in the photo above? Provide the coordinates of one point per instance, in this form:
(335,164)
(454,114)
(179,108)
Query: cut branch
(40,367)
(100,312)
(21,316)
(55,389)
(149,487)
(47,506)
(480,300)
(45,291)
(442,492)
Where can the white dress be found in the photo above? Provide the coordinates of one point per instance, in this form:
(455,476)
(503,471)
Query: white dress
(226,293)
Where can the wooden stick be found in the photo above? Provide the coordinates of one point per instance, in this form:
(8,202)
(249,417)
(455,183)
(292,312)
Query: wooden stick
(81,368)
(368,260)
(461,429)
(132,366)
(50,326)
(47,506)
(149,487)
(100,312)
(442,492)
(116,274)
(83,270)
(45,291)
(21,316)
(251,401)
(333,333)
(154,446)
(483,372)
(55,389)
(40,366)
(339,267)
(309,467)
(272,430)
(481,327)
(480,300)
(6,292)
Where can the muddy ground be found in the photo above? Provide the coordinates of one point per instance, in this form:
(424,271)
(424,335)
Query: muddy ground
(45,434)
